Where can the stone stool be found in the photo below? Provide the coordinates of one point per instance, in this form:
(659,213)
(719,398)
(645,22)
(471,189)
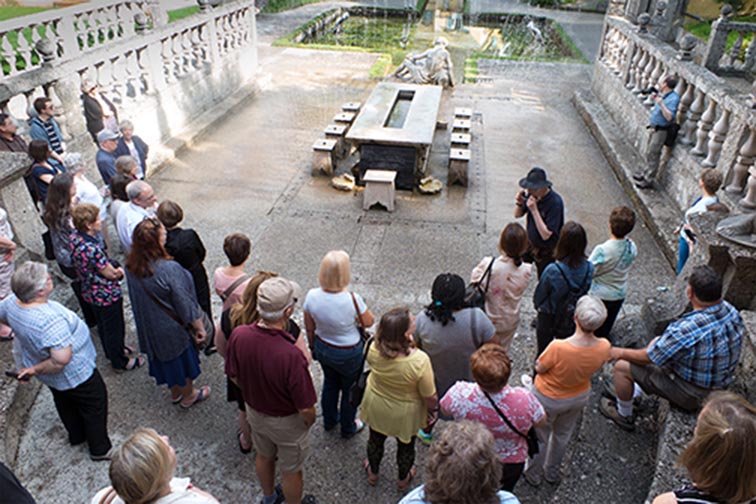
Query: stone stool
(461,125)
(337,132)
(323,156)
(462,113)
(459,159)
(379,188)
(344,118)
(460,140)
(352,106)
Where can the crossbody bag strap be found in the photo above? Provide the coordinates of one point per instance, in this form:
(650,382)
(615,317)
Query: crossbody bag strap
(357,309)
(165,309)
(487,274)
(231,288)
(364,354)
(503,416)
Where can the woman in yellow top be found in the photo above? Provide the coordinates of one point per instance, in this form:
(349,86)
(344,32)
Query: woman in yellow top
(563,386)
(400,396)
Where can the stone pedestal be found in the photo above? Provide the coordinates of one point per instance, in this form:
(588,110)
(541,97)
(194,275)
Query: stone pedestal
(323,157)
(379,189)
(15,199)
(459,160)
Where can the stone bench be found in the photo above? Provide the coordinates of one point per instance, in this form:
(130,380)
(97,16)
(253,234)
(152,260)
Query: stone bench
(344,118)
(462,113)
(379,189)
(351,106)
(461,125)
(323,156)
(337,132)
(459,160)
(460,140)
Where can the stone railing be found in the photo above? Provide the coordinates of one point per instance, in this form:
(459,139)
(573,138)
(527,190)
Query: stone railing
(721,61)
(71,31)
(161,78)
(718,128)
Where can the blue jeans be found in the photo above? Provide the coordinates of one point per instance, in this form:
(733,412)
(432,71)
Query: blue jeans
(341,368)
(682,254)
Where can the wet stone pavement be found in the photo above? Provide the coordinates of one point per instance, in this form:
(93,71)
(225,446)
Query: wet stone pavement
(251,174)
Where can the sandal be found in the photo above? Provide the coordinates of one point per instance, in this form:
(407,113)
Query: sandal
(403,484)
(176,400)
(128,350)
(202,394)
(7,338)
(134,363)
(372,478)
(245,451)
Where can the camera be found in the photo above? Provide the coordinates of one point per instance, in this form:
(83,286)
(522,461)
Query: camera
(650,90)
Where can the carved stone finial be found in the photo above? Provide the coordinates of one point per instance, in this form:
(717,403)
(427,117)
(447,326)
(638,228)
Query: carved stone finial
(725,12)
(687,46)
(661,6)
(46,49)
(643,21)
(142,23)
(204,5)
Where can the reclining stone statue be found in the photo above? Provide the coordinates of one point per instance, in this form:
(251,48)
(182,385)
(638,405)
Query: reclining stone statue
(433,66)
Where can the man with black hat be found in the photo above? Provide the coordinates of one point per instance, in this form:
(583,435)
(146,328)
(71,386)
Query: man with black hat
(545,211)
(280,398)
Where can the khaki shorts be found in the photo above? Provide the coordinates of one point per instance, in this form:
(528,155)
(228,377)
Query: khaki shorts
(286,438)
(665,383)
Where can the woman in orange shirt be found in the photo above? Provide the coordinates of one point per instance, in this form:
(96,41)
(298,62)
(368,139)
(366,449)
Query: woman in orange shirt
(563,386)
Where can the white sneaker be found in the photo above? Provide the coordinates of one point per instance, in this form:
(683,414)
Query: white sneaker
(527,381)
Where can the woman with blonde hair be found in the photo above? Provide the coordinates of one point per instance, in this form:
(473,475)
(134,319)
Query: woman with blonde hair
(462,469)
(400,396)
(245,313)
(506,279)
(142,472)
(333,316)
(721,458)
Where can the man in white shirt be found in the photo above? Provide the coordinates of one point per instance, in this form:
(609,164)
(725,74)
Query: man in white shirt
(142,202)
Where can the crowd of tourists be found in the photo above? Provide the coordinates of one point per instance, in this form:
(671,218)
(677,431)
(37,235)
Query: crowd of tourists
(451,361)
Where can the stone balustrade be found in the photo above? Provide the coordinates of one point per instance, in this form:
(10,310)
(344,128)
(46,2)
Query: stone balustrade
(159,77)
(716,118)
(734,61)
(71,31)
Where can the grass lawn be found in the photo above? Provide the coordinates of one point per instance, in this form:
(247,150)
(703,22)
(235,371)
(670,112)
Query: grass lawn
(702,30)
(282,5)
(177,14)
(14,11)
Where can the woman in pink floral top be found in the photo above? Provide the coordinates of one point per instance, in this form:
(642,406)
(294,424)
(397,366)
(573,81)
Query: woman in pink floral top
(490,368)
(100,285)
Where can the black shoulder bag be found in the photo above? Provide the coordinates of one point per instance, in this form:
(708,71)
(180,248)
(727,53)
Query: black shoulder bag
(531,436)
(475,294)
(357,390)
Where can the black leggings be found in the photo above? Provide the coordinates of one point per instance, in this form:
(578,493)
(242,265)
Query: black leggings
(405,453)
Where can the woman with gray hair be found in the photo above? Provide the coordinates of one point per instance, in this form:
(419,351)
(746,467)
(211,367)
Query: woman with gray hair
(53,344)
(133,145)
(462,469)
(86,190)
(563,386)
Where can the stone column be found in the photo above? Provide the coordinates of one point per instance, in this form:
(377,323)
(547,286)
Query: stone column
(15,199)
(745,160)
(717,39)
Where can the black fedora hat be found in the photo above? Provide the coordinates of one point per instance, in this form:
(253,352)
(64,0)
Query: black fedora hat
(536,179)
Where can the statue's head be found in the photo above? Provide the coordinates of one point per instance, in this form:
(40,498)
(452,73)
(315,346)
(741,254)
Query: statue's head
(441,41)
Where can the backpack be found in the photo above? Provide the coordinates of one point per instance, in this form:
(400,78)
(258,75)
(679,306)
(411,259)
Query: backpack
(564,318)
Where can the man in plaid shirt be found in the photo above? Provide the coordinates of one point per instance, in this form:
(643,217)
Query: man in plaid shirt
(695,355)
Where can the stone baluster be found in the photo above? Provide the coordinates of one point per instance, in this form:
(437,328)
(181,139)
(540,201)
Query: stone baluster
(8,52)
(29,96)
(23,52)
(654,81)
(744,161)
(606,46)
(735,50)
(187,49)
(694,114)
(632,74)
(749,201)
(750,57)
(120,77)
(180,60)
(209,37)
(125,15)
(704,126)
(624,53)
(612,58)
(716,139)
(686,99)
(646,73)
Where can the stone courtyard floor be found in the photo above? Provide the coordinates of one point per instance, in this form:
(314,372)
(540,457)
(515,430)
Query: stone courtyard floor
(251,174)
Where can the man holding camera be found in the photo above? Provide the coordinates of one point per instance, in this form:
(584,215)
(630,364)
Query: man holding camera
(545,211)
(662,119)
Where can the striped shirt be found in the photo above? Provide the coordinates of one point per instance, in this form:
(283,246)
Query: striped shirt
(702,347)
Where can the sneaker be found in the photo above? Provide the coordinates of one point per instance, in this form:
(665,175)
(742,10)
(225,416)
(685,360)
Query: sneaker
(102,458)
(278,492)
(424,436)
(359,425)
(309,499)
(527,381)
(608,408)
(639,177)
(532,478)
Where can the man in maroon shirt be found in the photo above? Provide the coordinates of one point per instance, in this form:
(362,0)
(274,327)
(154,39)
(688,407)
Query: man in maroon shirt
(277,388)
(9,140)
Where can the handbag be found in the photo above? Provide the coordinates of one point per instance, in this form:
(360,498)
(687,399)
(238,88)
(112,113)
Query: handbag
(364,335)
(357,390)
(207,324)
(530,437)
(475,295)
(47,241)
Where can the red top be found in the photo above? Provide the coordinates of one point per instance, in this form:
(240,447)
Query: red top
(270,370)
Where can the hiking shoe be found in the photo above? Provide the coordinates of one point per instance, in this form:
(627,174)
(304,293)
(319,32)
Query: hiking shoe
(533,479)
(424,436)
(608,408)
(610,392)
(102,458)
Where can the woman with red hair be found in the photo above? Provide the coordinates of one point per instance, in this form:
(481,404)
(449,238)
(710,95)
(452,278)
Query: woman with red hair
(168,318)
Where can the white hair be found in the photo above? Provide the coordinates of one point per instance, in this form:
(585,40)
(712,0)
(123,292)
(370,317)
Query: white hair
(28,280)
(590,313)
(135,189)
(73,162)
